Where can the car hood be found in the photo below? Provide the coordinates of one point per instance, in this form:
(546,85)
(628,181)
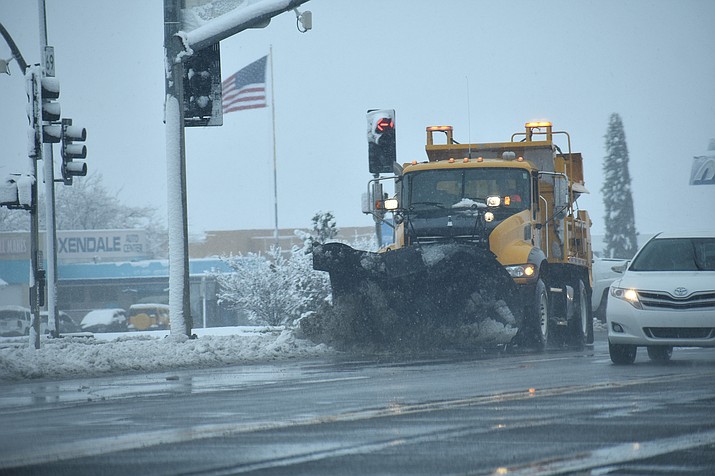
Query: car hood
(685,282)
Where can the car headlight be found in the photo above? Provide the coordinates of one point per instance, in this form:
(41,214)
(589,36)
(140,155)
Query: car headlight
(521,270)
(628,295)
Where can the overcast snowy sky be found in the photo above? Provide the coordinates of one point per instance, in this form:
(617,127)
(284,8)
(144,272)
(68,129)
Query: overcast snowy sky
(572,62)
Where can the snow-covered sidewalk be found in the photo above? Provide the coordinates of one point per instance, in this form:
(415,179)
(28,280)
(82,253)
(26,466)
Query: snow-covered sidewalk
(148,351)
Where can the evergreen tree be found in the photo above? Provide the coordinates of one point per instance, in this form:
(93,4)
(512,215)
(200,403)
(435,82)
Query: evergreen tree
(324,230)
(620,220)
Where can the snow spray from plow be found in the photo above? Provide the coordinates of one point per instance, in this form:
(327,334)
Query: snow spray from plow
(419,297)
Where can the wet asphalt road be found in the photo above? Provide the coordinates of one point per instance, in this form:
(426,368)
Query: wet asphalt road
(559,412)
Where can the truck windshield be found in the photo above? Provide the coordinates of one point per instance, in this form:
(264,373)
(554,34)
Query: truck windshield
(446,188)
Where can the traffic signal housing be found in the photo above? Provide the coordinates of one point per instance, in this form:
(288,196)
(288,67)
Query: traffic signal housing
(382,149)
(72,151)
(16,191)
(202,88)
(50,91)
(34,111)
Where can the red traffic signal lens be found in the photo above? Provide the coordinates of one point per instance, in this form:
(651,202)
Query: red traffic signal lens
(384,124)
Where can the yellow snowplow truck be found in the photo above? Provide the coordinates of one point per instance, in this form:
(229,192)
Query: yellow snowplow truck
(488,240)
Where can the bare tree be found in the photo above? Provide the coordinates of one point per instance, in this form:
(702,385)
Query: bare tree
(14,220)
(88,205)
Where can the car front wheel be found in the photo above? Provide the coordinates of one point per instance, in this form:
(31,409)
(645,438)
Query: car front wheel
(660,353)
(622,354)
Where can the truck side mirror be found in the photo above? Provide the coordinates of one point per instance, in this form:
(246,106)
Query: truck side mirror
(561,196)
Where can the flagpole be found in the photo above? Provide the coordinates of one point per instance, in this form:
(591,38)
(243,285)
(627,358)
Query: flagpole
(275,175)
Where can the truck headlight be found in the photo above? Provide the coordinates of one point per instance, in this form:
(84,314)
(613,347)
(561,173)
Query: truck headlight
(493,201)
(628,295)
(521,270)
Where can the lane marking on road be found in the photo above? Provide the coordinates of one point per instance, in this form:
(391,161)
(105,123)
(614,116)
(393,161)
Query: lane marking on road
(609,456)
(145,439)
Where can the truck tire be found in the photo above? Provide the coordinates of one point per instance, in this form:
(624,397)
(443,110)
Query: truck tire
(581,323)
(540,316)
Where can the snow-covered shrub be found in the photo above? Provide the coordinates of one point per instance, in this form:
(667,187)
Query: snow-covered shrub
(273,289)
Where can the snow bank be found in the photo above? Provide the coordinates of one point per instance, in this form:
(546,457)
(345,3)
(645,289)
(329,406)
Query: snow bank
(128,352)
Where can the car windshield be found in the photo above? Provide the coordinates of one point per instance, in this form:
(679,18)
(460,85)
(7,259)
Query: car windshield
(676,254)
(445,188)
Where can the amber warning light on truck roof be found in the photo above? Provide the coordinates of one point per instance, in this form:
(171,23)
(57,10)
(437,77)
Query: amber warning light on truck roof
(439,128)
(538,124)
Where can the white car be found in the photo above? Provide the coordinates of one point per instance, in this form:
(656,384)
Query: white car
(665,298)
(105,320)
(14,321)
(603,276)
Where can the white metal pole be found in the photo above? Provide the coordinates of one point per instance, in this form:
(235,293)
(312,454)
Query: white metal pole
(179,291)
(53,324)
(275,174)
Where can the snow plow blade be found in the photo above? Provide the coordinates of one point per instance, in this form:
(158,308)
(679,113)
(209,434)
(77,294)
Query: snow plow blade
(381,297)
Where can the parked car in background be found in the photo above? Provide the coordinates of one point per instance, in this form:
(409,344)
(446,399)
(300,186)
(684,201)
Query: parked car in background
(105,320)
(67,325)
(144,317)
(14,321)
(665,298)
(603,276)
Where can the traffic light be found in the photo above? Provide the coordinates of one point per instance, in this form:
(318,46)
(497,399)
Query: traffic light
(50,92)
(382,151)
(71,151)
(34,111)
(16,191)
(202,88)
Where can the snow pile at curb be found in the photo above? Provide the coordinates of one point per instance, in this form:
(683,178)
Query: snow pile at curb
(76,356)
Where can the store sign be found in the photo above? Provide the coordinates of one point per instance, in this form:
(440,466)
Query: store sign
(102,245)
(82,245)
(14,245)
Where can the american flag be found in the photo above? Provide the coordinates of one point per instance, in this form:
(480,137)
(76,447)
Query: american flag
(245,89)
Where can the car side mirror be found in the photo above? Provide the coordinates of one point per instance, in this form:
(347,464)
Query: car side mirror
(621,268)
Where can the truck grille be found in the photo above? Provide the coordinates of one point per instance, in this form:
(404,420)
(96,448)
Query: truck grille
(680,332)
(661,300)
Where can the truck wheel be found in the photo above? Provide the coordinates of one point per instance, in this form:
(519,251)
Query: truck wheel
(540,315)
(581,324)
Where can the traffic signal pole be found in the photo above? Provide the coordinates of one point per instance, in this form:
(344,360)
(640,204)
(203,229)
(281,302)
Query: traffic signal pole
(178,46)
(36,155)
(179,295)
(53,323)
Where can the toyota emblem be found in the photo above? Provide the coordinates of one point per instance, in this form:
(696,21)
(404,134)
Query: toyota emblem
(680,292)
